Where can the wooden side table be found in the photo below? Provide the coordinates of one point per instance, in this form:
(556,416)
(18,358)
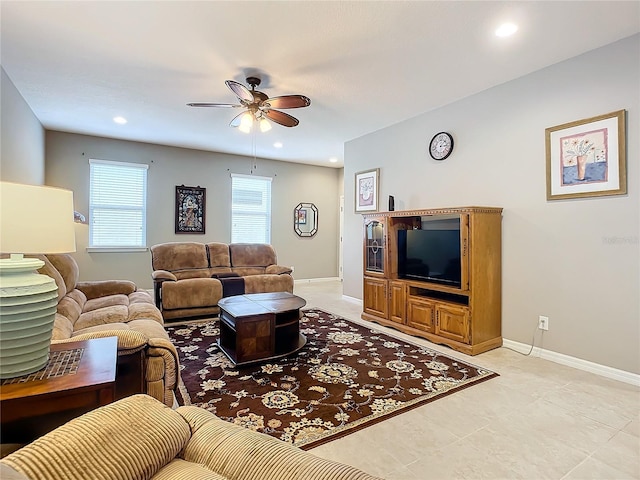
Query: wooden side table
(79,377)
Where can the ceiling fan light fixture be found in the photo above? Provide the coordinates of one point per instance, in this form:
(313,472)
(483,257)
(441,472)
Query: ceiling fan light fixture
(265,126)
(246,122)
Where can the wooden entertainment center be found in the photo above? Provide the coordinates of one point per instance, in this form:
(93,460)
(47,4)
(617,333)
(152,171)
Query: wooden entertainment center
(465,315)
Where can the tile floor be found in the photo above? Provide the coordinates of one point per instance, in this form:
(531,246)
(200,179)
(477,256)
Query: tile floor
(538,420)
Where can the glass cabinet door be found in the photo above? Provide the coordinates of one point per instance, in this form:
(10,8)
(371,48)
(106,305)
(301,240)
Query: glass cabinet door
(374,247)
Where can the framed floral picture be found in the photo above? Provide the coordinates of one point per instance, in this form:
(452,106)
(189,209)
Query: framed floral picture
(190,209)
(367,190)
(587,158)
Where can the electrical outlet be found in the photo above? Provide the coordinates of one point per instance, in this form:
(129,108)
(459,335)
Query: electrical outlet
(293,269)
(543,322)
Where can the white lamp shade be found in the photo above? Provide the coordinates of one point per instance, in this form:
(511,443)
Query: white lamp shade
(36,219)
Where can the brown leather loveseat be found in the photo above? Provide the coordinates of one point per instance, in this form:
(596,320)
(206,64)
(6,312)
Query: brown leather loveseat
(189,277)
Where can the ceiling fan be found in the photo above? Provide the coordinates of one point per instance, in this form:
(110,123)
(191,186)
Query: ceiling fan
(259,106)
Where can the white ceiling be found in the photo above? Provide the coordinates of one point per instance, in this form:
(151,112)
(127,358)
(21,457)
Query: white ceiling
(364,64)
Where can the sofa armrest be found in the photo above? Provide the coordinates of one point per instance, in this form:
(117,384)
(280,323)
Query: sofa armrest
(103,288)
(163,275)
(277,270)
(131,438)
(159,277)
(162,374)
(232,451)
(129,341)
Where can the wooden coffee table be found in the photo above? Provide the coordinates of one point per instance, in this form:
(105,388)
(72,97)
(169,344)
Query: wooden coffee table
(79,377)
(260,326)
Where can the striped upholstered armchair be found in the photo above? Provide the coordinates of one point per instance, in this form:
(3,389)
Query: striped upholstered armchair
(140,438)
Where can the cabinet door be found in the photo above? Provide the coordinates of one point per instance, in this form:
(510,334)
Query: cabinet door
(397,301)
(375,235)
(420,314)
(375,297)
(452,321)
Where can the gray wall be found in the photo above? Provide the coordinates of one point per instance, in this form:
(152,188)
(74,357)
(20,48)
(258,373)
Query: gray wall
(576,261)
(21,137)
(67,165)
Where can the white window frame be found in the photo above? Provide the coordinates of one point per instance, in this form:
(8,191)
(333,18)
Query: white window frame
(96,204)
(263,211)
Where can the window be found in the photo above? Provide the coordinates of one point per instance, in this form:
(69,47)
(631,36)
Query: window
(250,209)
(117,204)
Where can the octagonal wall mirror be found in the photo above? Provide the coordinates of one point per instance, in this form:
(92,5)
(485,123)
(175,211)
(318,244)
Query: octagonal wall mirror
(305,219)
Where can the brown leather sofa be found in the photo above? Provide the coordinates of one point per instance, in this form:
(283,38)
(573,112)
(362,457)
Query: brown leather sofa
(139,438)
(189,277)
(147,360)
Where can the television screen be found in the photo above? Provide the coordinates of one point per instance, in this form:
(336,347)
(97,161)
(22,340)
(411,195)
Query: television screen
(432,253)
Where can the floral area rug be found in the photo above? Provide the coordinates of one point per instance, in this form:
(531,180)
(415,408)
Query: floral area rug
(345,378)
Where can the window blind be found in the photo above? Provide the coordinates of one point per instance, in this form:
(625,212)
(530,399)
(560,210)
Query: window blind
(117,204)
(250,209)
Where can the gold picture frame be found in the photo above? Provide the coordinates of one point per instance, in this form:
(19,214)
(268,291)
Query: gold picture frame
(366,190)
(587,158)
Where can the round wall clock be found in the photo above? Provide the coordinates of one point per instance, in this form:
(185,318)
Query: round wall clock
(441,146)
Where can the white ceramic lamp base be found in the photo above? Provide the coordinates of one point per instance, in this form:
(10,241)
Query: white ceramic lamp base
(28,302)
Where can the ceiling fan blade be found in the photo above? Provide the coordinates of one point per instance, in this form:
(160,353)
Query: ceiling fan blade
(281,118)
(223,105)
(236,120)
(242,92)
(288,101)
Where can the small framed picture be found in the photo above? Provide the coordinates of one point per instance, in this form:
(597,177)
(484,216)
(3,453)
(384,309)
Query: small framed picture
(587,158)
(190,209)
(367,184)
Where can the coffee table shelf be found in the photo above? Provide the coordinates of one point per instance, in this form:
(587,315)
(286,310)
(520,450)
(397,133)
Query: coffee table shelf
(260,327)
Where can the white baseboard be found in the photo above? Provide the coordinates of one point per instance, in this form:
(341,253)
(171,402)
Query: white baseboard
(603,370)
(352,299)
(313,280)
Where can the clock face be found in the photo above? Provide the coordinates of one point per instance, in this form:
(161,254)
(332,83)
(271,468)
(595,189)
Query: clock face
(441,146)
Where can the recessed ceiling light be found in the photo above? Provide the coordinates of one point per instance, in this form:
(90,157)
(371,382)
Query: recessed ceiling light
(278,144)
(120,120)
(333,160)
(506,29)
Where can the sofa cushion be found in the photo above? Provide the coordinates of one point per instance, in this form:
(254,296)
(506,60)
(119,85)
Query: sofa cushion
(67,267)
(106,315)
(49,270)
(70,308)
(192,273)
(146,327)
(62,328)
(104,302)
(252,255)
(218,255)
(268,283)
(191,293)
(178,468)
(148,311)
(247,271)
(179,256)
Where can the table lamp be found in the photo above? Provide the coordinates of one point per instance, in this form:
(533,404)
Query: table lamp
(33,220)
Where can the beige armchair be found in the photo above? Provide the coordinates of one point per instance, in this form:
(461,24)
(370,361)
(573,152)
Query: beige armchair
(147,360)
(139,438)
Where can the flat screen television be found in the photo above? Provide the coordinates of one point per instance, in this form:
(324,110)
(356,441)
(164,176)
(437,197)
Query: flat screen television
(431,253)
